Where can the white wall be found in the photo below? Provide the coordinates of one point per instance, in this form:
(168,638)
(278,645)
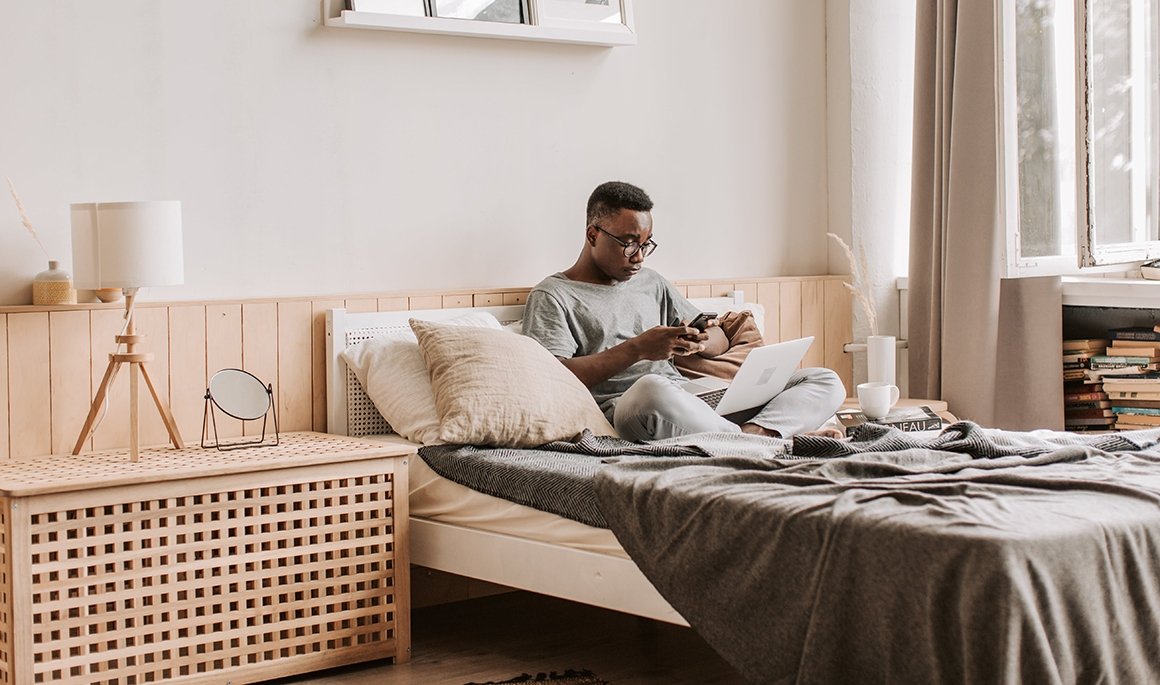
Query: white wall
(313,160)
(870,81)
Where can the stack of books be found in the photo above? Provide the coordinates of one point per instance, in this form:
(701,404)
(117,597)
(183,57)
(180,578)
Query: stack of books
(1085,404)
(1134,391)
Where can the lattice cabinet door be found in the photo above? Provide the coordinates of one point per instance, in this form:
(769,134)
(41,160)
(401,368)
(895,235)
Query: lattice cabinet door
(202,566)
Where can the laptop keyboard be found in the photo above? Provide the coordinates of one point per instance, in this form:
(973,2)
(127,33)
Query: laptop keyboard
(713,398)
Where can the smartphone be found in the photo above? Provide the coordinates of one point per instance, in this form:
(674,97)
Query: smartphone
(702,320)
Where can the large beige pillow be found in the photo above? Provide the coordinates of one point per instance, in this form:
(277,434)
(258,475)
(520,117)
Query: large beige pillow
(503,389)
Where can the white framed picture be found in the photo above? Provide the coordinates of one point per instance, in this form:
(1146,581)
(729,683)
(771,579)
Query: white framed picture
(580,12)
(506,11)
(407,8)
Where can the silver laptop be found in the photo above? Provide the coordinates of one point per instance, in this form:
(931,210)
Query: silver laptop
(762,375)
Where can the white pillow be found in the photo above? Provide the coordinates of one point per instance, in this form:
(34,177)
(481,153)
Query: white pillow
(394,375)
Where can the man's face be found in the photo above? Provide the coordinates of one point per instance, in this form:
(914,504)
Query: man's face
(608,236)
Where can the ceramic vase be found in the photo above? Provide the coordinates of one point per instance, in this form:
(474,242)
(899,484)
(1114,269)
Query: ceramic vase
(881,352)
(53,286)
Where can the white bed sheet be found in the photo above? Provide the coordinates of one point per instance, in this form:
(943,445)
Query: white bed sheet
(435,498)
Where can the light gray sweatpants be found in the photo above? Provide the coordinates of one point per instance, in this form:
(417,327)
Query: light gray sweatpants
(656,407)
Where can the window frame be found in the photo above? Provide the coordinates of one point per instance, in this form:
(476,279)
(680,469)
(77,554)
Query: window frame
(1086,254)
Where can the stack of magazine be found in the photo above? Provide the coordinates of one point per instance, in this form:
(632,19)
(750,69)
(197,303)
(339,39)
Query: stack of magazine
(920,418)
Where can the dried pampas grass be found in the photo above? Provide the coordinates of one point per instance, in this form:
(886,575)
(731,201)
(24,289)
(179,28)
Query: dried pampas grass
(860,288)
(24,217)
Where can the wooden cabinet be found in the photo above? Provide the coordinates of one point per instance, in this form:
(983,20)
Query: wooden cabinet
(201,565)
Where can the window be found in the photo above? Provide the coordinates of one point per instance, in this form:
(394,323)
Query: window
(1082,146)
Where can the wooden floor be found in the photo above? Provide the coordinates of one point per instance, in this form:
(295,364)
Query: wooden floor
(498,637)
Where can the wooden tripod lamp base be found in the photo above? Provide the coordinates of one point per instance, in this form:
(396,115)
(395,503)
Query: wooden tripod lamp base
(137,370)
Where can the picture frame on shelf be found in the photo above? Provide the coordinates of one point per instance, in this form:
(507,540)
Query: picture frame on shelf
(503,11)
(580,13)
(403,8)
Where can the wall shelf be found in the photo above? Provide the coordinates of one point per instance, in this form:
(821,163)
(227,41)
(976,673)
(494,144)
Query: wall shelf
(336,15)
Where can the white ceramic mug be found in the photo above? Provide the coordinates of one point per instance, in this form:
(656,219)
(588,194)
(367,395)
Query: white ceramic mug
(876,399)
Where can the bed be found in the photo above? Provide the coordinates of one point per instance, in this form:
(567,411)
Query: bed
(967,555)
(457,530)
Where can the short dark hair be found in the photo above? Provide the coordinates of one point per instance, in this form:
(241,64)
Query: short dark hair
(613,196)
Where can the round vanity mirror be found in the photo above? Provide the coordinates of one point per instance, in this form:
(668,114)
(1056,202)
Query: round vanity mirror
(239,394)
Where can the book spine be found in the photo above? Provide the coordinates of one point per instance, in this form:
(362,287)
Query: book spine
(1120,360)
(1136,335)
(1150,411)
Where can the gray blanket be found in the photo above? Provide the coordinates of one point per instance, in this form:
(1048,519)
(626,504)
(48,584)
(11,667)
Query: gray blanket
(981,557)
(556,478)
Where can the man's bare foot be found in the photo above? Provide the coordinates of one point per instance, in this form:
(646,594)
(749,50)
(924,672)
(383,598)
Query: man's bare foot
(754,429)
(826,433)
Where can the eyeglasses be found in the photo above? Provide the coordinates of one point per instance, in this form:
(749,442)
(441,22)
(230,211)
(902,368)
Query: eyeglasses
(632,248)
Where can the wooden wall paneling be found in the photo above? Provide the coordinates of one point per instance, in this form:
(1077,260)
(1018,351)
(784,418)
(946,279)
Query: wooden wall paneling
(295,365)
(318,359)
(425,302)
(223,350)
(283,342)
(814,321)
(839,331)
(112,424)
(684,290)
(187,369)
(390,304)
(749,290)
(69,376)
(769,297)
(699,291)
(515,298)
(260,351)
(29,394)
(4,451)
(789,315)
(362,304)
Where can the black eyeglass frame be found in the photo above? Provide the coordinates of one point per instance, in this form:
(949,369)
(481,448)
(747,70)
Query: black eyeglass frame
(630,248)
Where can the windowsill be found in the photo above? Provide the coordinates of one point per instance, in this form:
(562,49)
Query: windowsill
(1087,291)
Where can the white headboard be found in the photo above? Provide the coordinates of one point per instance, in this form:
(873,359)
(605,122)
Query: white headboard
(348,409)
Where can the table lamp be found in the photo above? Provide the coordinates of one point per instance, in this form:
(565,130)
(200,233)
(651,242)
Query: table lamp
(127,245)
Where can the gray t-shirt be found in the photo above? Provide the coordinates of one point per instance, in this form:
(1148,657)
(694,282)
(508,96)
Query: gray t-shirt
(574,319)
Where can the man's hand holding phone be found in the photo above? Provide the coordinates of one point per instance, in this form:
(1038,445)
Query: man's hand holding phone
(703,321)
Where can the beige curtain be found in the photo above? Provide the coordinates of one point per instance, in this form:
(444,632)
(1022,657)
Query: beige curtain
(988,346)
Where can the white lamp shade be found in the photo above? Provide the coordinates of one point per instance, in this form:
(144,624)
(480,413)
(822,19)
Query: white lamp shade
(127,244)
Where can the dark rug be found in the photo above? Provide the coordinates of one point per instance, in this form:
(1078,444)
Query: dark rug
(568,677)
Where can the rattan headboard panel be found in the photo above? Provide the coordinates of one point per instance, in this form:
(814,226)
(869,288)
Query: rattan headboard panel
(362,417)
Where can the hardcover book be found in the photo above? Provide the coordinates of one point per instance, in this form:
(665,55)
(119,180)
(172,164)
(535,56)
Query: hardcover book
(1084,345)
(1134,333)
(909,419)
(1099,361)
